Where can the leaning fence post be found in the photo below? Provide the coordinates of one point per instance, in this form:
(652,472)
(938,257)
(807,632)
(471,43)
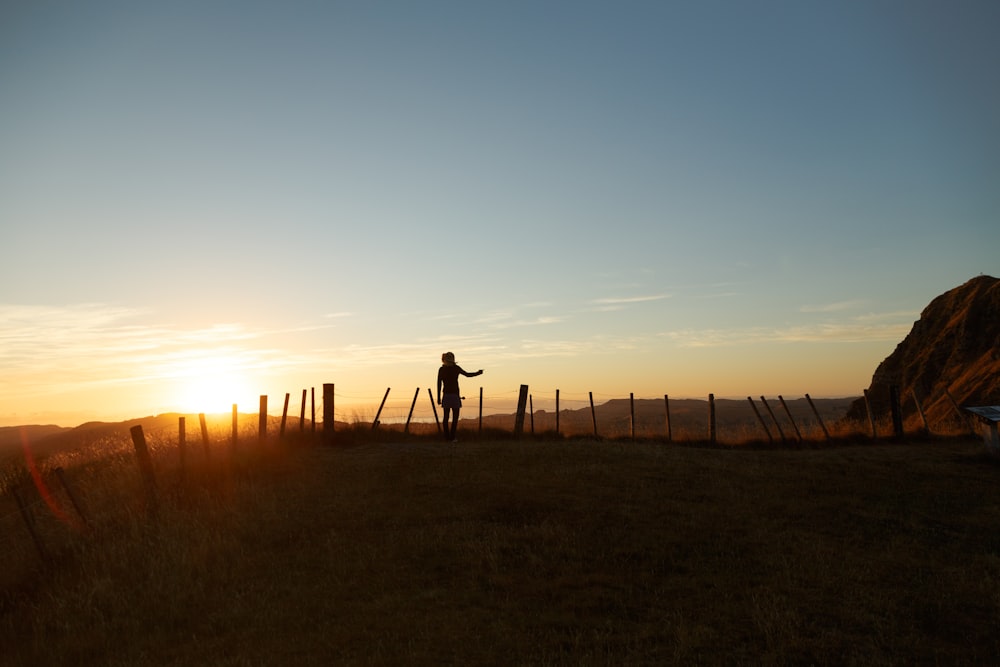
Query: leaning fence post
(30,524)
(788,412)
(920,411)
(522,402)
(666,408)
(777,424)
(961,413)
(406,429)
(72,497)
(818,418)
(871,414)
(531,412)
(437,422)
(593,413)
(204,432)
(302,413)
(284,417)
(381,405)
(760,418)
(897,412)
(145,463)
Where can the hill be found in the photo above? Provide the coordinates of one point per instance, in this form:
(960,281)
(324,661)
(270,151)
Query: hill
(49,440)
(11,437)
(953,348)
(735,419)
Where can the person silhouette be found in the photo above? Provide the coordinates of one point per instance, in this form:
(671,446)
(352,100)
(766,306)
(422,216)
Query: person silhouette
(447,384)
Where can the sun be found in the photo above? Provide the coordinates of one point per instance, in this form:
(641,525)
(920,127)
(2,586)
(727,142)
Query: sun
(210,383)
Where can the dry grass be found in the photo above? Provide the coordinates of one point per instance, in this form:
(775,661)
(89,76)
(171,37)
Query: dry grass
(529,552)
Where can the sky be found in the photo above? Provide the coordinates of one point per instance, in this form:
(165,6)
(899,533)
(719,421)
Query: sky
(206,202)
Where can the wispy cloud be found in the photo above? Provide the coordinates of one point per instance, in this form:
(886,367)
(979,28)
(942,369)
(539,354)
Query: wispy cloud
(854,331)
(630,299)
(513,317)
(608,304)
(837,306)
(94,344)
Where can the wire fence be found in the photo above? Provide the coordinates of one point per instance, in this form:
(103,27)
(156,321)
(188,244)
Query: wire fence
(41,515)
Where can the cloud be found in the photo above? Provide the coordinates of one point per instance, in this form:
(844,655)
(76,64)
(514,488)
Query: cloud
(858,330)
(87,345)
(609,304)
(630,299)
(835,307)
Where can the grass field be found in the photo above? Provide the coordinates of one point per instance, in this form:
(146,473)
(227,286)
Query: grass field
(555,552)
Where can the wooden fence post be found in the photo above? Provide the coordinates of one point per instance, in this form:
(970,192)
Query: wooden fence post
(522,402)
(380,406)
(262,420)
(145,465)
(329,415)
(312,410)
(531,412)
(181,445)
(897,412)
(204,432)
(557,412)
(871,415)
(920,411)
(798,434)
(72,497)
(818,418)
(711,419)
(302,413)
(406,429)
(666,409)
(480,410)
(29,522)
(284,417)
(235,428)
(760,418)
(437,421)
(961,413)
(777,424)
(631,414)
(593,413)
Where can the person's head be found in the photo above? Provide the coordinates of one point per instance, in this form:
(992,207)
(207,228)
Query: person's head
(448,358)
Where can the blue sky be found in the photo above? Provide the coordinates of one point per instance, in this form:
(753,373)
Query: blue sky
(232,199)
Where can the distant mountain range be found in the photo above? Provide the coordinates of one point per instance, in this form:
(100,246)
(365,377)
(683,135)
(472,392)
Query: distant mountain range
(953,348)
(49,439)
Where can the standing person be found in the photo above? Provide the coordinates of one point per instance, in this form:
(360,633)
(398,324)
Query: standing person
(452,401)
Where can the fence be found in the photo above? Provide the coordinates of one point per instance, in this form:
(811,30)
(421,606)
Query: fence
(45,500)
(554,412)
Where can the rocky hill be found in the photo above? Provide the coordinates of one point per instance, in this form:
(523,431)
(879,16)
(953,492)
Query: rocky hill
(953,348)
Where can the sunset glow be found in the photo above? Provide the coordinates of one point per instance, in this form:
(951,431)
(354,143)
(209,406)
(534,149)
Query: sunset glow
(200,205)
(211,383)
